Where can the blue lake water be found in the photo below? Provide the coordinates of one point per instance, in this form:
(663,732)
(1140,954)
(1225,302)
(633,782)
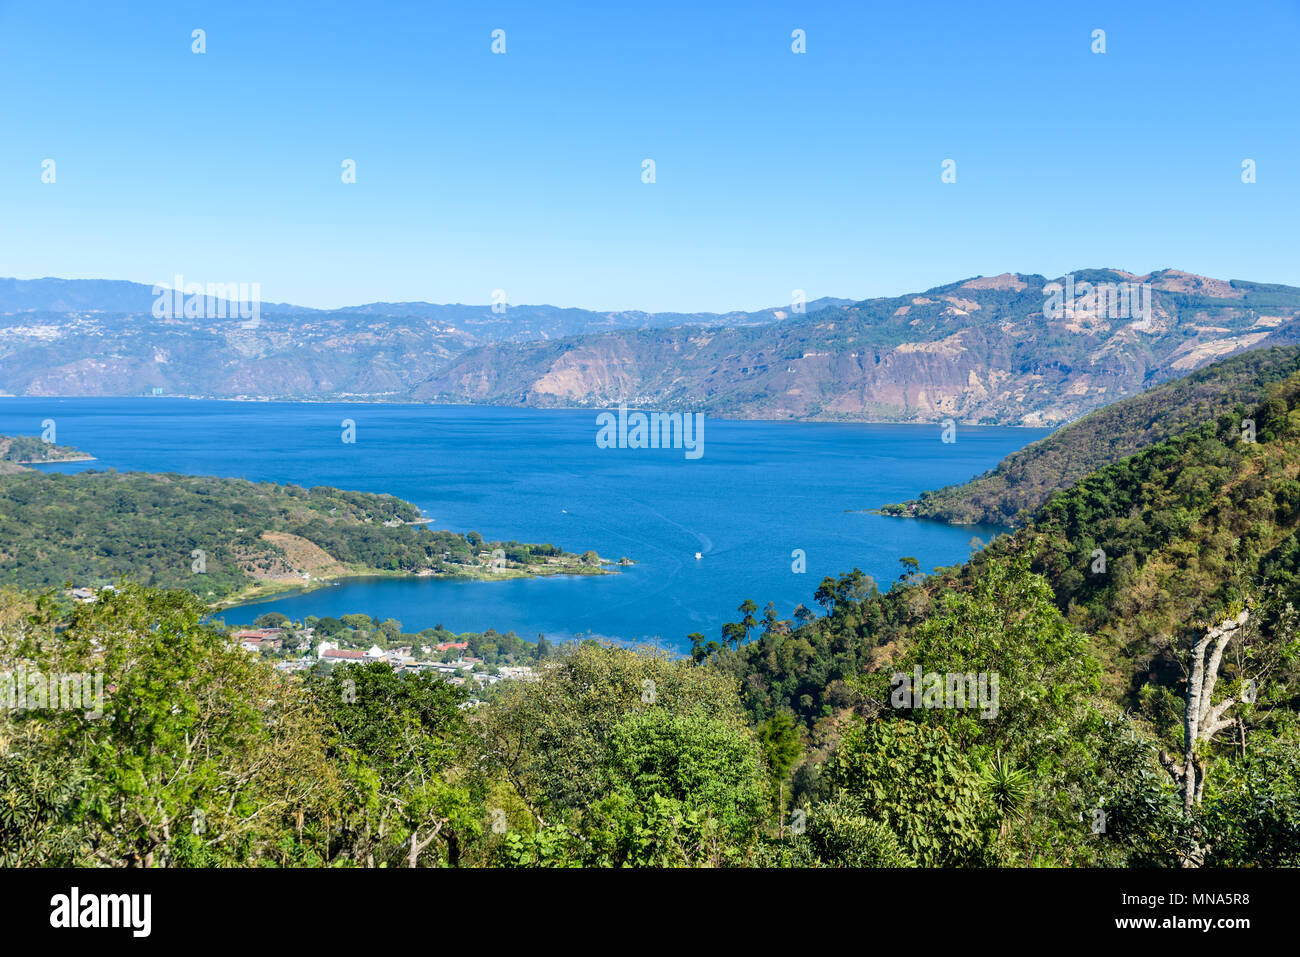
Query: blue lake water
(760,491)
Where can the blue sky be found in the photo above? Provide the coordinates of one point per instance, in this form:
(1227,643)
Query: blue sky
(775,171)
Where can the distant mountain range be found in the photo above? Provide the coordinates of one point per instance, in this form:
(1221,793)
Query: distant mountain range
(486,323)
(992,350)
(88,295)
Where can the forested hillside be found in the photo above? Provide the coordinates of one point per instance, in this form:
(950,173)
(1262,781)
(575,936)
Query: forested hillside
(1188,527)
(1098,604)
(1023,480)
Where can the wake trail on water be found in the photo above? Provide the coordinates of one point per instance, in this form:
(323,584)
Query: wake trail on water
(615,533)
(703,539)
(665,581)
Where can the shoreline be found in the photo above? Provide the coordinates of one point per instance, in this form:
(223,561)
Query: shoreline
(364,400)
(71,458)
(267,590)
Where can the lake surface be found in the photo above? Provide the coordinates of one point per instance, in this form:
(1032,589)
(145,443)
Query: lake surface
(759,492)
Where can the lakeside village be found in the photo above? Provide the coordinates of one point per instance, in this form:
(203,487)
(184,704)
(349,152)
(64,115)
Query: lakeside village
(451,658)
(471,660)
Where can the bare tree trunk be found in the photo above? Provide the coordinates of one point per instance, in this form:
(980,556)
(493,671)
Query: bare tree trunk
(417,845)
(1203,719)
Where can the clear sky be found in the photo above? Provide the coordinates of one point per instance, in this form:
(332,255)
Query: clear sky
(775,171)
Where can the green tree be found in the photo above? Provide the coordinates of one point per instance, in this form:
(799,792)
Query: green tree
(400,740)
(840,834)
(914,779)
(780,739)
(1006,626)
(683,789)
(748,621)
(198,741)
(549,738)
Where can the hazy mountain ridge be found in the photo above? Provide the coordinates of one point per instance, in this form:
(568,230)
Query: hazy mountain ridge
(504,321)
(525,323)
(101,337)
(90,295)
(976,350)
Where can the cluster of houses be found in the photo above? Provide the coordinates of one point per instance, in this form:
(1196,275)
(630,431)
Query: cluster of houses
(87,595)
(458,672)
(260,639)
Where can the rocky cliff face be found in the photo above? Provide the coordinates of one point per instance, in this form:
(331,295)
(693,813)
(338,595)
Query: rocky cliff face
(980,351)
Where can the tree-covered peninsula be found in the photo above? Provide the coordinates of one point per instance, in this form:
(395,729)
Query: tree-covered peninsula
(226,539)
